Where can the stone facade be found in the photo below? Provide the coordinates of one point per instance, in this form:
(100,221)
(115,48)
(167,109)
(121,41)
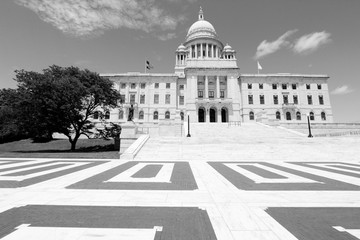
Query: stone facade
(208,86)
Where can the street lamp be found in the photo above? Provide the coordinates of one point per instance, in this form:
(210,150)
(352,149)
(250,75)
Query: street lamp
(188,135)
(308,118)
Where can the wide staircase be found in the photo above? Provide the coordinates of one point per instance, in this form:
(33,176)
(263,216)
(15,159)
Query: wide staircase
(219,141)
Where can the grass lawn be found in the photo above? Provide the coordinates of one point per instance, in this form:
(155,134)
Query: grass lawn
(59,148)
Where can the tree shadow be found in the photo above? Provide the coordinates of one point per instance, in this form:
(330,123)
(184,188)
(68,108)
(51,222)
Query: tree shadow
(96,148)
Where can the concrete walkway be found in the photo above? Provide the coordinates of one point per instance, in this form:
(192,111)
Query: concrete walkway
(227,183)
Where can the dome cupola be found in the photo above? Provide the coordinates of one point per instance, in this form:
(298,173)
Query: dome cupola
(201,28)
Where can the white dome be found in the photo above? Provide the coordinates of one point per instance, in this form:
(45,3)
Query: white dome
(201,28)
(181,48)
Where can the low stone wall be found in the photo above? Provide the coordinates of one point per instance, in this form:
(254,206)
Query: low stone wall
(326,129)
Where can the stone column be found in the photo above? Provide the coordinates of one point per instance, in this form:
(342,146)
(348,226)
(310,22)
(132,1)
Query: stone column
(207,50)
(217,86)
(201,50)
(196,51)
(212,51)
(206,95)
(207,115)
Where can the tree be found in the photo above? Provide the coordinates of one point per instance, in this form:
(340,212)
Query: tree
(62,99)
(10,113)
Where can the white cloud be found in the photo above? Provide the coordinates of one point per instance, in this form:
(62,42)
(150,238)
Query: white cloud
(310,42)
(167,36)
(342,90)
(84,18)
(266,48)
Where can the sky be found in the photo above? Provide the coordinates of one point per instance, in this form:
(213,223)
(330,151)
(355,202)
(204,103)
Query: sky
(117,36)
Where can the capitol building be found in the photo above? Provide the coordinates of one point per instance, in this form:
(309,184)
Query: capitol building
(208,85)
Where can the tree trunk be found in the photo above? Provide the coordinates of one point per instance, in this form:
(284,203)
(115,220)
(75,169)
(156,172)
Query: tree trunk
(73,141)
(73,145)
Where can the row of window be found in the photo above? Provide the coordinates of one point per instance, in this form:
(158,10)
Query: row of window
(156,99)
(143,85)
(211,94)
(141,115)
(284,86)
(285,99)
(288,116)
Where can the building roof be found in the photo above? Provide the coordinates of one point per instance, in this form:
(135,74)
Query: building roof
(286,75)
(128,74)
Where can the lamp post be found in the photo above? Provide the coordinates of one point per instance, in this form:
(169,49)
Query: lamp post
(188,135)
(308,118)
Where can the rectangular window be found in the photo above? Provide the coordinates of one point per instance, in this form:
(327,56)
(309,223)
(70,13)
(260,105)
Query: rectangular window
(293,86)
(122,98)
(321,100)
(167,99)
(222,94)
(274,86)
(156,98)
(284,86)
(276,99)
(286,99)
(319,86)
(261,86)
(167,85)
(181,100)
(250,99)
(156,85)
(309,98)
(308,86)
(123,85)
(295,98)
(200,94)
(132,98)
(181,87)
(262,99)
(142,86)
(133,85)
(249,86)
(142,99)
(211,94)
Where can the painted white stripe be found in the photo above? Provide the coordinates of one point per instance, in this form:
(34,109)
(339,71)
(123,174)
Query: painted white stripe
(324,173)
(37,174)
(164,174)
(354,232)
(59,233)
(290,178)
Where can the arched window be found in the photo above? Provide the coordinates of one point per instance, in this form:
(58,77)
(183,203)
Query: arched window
(298,116)
(288,116)
(107,115)
(167,115)
(121,114)
(278,115)
(312,117)
(96,115)
(141,115)
(323,116)
(182,116)
(156,115)
(251,115)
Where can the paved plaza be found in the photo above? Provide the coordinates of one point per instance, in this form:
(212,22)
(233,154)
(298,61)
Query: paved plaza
(257,183)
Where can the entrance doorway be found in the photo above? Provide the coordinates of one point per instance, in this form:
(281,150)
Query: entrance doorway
(288,116)
(201,115)
(224,115)
(213,114)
